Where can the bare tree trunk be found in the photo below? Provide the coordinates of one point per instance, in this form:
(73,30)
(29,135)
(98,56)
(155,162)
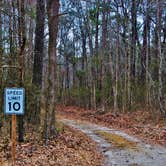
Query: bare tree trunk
(160,55)
(84,65)
(22,42)
(1,41)
(1,53)
(38,57)
(52,10)
(117,65)
(145,57)
(164,30)
(134,36)
(29,56)
(103,68)
(113,77)
(91,75)
(147,54)
(96,52)
(14,26)
(97,29)
(125,49)
(128,80)
(124,97)
(39,44)
(11,43)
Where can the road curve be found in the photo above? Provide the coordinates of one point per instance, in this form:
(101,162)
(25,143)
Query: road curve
(147,155)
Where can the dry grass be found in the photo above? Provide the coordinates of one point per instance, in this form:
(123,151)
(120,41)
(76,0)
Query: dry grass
(117,140)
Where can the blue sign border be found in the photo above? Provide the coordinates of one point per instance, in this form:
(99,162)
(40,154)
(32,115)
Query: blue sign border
(22,113)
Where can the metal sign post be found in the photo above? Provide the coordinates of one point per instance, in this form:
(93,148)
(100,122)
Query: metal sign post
(14,105)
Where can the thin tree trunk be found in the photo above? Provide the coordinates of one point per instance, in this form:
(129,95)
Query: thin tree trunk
(124,97)
(134,36)
(146,51)
(125,85)
(1,53)
(14,26)
(29,58)
(103,68)
(97,29)
(91,75)
(1,41)
(83,81)
(22,42)
(11,37)
(125,48)
(113,76)
(128,80)
(160,55)
(117,66)
(94,75)
(148,57)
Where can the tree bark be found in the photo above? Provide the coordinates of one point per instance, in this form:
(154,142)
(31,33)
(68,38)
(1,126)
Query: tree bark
(133,36)
(52,11)
(90,78)
(22,42)
(1,53)
(117,63)
(103,63)
(125,50)
(96,52)
(160,55)
(39,44)
(38,58)
(146,45)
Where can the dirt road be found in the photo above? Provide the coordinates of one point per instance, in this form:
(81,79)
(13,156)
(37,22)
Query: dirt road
(141,155)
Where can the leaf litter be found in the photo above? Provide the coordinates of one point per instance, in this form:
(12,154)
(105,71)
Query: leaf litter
(140,123)
(70,148)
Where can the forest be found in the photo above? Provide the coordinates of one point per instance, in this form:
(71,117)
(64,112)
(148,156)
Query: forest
(102,61)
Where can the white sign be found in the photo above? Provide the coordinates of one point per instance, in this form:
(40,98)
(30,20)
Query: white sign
(14,101)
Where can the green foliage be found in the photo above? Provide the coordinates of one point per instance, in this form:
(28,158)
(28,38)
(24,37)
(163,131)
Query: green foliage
(139,92)
(31,12)
(98,95)
(92,13)
(59,126)
(96,60)
(80,73)
(79,92)
(74,59)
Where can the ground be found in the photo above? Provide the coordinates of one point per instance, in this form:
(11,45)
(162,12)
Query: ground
(70,148)
(89,137)
(144,124)
(119,148)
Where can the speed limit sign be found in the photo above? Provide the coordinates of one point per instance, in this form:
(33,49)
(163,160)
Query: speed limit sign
(14,101)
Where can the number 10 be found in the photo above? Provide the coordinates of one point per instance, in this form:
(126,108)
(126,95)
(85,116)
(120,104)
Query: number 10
(16,106)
